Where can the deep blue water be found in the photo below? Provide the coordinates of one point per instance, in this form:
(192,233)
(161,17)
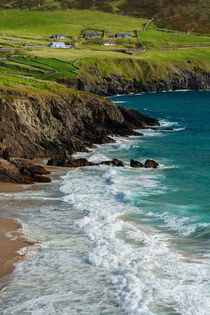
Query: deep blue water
(122,240)
(187,148)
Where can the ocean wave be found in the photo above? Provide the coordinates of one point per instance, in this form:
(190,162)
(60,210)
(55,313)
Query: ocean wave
(185,226)
(184,90)
(138,258)
(167,123)
(119,102)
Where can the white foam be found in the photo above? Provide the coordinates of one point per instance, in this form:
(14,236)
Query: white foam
(120,102)
(186,90)
(182,225)
(147,274)
(166,123)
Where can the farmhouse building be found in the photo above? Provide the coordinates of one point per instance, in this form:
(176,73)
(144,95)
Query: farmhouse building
(94,35)
(123,35)
(58,45)
(59,36)
(108,43)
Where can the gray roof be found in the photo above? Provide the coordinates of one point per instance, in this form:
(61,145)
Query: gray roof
(58,35)
(123,34)
(91,34)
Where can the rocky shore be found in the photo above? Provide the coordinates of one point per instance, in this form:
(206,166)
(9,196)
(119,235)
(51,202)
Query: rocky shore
(36,126)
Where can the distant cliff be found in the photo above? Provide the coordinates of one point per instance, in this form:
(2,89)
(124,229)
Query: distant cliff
(110,77)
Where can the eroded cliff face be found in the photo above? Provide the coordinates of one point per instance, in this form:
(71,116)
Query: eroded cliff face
(117,84)
(36,125)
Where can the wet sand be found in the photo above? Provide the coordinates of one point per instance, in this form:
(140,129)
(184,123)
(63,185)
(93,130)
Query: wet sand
(13,188)
(10,246)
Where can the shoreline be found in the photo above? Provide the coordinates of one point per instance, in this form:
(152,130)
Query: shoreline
(10,245)
(157,92)
(9,255)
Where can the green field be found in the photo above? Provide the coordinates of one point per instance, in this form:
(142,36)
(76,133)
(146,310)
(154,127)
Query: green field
(36,25)
(157,55)
(43,68)
(152,38)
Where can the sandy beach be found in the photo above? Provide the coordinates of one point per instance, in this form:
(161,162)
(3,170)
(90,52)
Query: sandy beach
(12,188)
(10,246)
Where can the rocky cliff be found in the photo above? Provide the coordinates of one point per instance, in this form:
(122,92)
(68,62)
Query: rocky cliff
(119,85)
(36,125)
(134,76)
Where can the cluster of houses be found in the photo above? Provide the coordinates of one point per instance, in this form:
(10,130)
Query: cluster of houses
(97,35)
(59,44)
(107,43)
(56,44)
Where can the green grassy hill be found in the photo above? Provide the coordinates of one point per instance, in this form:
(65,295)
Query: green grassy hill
(184,15)
(39,24)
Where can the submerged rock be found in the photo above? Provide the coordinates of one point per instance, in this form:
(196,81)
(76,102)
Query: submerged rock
(151,164)
(136,164)
(168,129)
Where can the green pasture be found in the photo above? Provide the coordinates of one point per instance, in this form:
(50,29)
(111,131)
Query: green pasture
(156,55)
(37,24)
(154,38)
(41,68)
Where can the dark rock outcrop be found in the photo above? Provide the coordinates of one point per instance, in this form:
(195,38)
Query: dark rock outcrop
(134,119)
(22,172)
(136,164)
(69,162)
(103,140)
(114,162)
(151,164)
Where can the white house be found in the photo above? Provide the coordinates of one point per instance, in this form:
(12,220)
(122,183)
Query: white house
(58,45)
(108,43)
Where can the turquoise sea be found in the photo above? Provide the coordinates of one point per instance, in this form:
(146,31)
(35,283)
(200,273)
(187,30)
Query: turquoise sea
(123,240)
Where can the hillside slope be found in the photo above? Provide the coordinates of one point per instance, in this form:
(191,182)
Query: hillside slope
(187,15)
